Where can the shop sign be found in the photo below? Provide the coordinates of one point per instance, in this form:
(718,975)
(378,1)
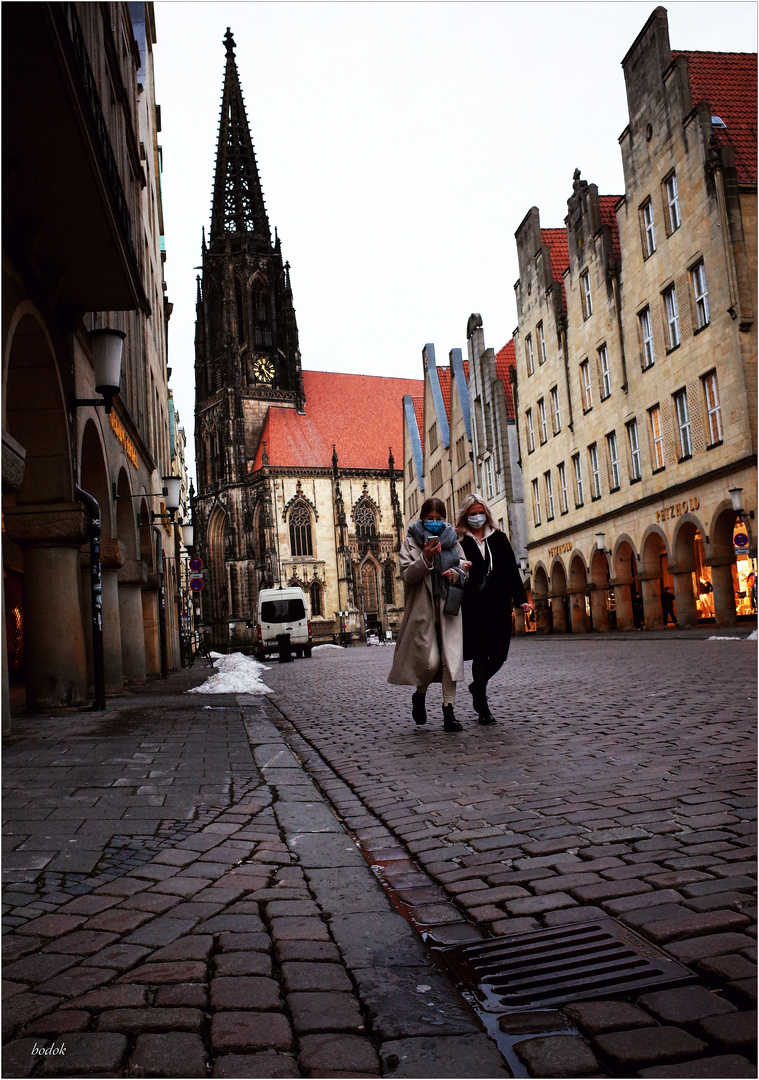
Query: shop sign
(560,549)
(676,509)
(118,430)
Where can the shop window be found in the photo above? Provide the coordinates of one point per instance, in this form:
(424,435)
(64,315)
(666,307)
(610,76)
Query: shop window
(744,572)
(702,580)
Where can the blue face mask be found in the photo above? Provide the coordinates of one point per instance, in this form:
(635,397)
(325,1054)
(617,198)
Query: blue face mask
(434,527)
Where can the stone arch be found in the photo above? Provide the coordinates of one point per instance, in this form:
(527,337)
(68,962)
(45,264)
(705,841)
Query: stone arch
(371,596)
(627,601)
(721,560)
(578,580)
(654,560)
(599,576)
(93,471)
(540,600)
(689,532)
(624,547)
(558,597)
(218,588)
(132,538)
(41,522)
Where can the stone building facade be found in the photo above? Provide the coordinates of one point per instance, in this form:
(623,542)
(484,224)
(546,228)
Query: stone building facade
(82,250)
(296,477)
(638,419)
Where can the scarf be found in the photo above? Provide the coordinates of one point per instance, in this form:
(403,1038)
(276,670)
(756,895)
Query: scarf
(447,559)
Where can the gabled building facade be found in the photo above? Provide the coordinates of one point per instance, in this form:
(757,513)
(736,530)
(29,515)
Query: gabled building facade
(642,483)
(297,481)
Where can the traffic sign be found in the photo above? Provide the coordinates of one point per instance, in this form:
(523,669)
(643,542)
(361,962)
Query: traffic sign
(196,584)
(196,563)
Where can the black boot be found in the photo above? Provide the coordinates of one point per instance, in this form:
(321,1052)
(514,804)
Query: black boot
(479,698)
(418,710)
(450,723)
(485,716)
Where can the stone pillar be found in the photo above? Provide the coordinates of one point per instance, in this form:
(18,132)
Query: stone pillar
(112,553)
(651,591)
(623,605)
(542,615)
(131,577)
(599,609)
(151,626)
(56,668)
(724,595)
(577,612)
(519,627)
(685,600)
(558,613)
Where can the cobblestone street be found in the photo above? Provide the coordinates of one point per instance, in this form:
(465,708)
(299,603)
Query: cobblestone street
(188,889)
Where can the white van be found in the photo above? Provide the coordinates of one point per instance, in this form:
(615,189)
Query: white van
(282,611)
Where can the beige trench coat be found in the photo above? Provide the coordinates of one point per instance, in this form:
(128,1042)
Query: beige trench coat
(417,657)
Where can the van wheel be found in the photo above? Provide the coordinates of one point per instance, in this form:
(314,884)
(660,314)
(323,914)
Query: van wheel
(307,652)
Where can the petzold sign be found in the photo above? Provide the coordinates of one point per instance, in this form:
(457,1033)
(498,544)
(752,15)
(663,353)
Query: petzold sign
(676,509)
(118,430)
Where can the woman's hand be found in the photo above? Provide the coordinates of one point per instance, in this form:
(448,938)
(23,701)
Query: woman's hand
(452,574)
(465,564)
(431,549)
(526,607)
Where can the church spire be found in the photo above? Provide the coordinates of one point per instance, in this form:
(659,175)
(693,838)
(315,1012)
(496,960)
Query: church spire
(238,201)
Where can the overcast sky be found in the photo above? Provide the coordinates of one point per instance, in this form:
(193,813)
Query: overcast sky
(399,147)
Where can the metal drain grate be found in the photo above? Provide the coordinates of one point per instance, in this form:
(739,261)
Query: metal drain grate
(564,963)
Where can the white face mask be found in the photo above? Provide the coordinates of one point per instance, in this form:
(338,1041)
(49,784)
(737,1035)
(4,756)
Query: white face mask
(476,521)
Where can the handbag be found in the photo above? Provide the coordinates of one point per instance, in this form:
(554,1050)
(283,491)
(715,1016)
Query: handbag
(452,605)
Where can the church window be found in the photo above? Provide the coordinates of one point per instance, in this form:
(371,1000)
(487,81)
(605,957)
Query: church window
(369,587)
(316,600)
(239,310)
(301,541)
(261,331)
(390,582)
(366,524)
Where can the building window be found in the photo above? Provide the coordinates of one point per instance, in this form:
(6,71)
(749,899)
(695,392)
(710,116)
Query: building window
(698,275)
(301,542)
(461,452)
(657,438)
(364,521)
(611,443)
(541,344)
(316,600)
(673,320)
(542,420)
(410,470)
(390,582)
(587,303)
(634,444)
(555,411)
(536,502)
(585,387)
(530,354)
(432,437)
(713,411)
(487,468)
(603,363)
(436,476)
(595,471)
(563,500)
(549,495)
(673,203)
(649,231)
(683,423)
(530,432)
(579,493)
(647,336)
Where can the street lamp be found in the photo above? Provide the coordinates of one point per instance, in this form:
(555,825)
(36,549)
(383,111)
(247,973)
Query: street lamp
(524,564)
(188,534)
(601,543)
(172,493)
(107,347)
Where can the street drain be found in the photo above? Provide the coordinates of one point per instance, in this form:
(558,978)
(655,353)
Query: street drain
(564,963)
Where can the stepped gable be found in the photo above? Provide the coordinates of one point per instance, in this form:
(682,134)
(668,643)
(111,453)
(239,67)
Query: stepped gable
(727,81)
(504,359)
(360,414)
(558,245)
(444,378)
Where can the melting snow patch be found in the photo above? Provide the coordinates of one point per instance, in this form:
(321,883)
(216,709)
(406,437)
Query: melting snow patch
(718,637)
(235,674)
(328,645)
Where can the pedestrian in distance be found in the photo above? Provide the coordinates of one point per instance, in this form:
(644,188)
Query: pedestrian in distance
(494,585)
(668,605)
(429,644)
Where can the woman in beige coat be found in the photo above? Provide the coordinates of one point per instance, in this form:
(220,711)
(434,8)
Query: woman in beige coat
(430,642)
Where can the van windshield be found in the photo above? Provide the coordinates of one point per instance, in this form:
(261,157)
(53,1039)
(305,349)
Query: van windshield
(286,610)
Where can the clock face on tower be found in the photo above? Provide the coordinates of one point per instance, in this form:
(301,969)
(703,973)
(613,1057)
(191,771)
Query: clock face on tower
(263,369)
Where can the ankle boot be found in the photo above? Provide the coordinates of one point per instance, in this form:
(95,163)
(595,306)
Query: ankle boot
(450,723)
(418,710)
(485,716)
(479,698)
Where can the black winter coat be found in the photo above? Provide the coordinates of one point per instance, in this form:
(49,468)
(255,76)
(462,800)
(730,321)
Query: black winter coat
(486,610)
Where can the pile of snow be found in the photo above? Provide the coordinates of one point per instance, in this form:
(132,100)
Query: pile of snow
(235,674)
(718,637)
(328,645)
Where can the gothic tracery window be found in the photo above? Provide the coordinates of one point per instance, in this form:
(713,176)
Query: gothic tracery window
(301,541)
(316,599)
(365,521)
(389,582)
(261,331)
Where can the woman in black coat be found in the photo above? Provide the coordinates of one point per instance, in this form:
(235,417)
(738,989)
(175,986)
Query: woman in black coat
(495,583)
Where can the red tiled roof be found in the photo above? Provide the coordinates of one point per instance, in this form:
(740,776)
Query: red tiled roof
(609,217)
(504,359)
(727,81)
(556,239)
(444,378)
(418,403)
(361,414)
